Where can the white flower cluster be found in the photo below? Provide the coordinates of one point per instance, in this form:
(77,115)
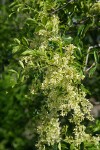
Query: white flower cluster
(60,86)
(49,132)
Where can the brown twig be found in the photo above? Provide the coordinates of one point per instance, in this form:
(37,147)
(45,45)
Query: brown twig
(87,58)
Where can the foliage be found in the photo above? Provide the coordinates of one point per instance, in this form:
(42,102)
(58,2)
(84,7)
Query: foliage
(49,60)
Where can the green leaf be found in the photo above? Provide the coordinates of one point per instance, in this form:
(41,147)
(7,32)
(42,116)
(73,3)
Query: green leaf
(96,57)
(25,41)
(59,146)
(80,30)
(31,21)
(86,29)
(21,63)
(28,52)
(15,49)
(14,71)
(11,14)
(67,39)
(17,41)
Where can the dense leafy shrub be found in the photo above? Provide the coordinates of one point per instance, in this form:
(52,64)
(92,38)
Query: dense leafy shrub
(44,100)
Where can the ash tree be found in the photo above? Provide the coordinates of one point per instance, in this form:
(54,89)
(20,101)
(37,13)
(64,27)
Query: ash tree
(50,60)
